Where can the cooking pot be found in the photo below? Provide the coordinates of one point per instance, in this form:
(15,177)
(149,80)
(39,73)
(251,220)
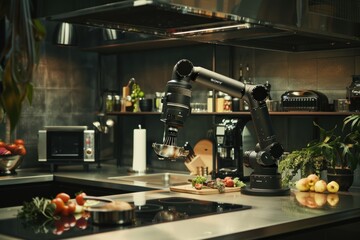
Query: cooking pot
(110,212)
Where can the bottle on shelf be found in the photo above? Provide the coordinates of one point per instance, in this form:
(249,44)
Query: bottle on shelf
(220,102)
(210,101)
(353,92)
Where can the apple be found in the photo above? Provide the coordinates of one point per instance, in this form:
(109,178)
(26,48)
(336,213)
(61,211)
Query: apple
(332,199)
(320,199)
(302,185)
(312,179)
(20,150)
(332,187)
(320,186)
(19,142)
(312,188)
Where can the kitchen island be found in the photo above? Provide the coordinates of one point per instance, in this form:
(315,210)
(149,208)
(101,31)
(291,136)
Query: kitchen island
(285,217)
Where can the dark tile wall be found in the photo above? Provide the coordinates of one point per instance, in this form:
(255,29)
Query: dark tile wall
(64,93)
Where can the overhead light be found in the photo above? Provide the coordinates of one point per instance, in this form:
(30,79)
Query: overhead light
(65,34)
(214,29)
(110,34)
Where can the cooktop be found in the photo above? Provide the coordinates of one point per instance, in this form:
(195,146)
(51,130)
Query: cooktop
(155,211)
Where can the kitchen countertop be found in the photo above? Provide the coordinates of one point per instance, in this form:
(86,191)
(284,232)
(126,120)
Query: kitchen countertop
(268,216)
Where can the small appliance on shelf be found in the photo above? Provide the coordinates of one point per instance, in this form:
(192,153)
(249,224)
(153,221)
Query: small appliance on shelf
(304,100)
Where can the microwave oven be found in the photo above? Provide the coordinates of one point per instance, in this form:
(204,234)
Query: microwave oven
(66,144)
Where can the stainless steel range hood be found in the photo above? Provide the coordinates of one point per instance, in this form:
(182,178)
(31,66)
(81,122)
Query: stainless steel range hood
(286,25)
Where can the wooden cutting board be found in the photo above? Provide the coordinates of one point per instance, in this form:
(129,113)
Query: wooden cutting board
(188,188)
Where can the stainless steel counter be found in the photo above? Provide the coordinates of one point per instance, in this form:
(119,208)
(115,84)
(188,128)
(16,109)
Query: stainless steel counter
(269,216)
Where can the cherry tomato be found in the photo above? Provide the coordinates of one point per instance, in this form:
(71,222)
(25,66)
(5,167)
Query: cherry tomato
(65,211)
(72,207)
(80,198)
(229,183)
(64,196)
(2,144)
(60,205)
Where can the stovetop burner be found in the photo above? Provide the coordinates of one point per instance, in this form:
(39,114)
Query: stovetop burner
(155,211)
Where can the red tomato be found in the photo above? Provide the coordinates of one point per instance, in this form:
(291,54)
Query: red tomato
(65,211)
(19,142)
(2,144)
(227,178)
(229,183)
(80,198)
(72,207)
(60,205)
(64,196)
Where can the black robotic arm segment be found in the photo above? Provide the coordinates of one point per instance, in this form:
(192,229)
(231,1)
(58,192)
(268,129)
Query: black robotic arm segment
(265,180)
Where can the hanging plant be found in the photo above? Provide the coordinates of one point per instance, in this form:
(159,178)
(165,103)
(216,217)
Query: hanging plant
(18,58)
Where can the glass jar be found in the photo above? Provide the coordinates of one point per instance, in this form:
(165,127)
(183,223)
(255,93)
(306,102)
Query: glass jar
(220,102)
(227,103)
(109,103)
(353,93)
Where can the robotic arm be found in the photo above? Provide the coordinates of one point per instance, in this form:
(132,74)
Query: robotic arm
(265,180)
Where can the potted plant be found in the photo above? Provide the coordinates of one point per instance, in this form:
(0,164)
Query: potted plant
(338,154)
(307,160)
(345,153)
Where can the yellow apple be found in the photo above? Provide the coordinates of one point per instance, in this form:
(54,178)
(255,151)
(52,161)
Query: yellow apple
(302,185)
(312,179)
(332,187)
(320,186)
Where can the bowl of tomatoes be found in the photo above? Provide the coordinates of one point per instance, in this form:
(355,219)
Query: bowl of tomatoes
(11,156)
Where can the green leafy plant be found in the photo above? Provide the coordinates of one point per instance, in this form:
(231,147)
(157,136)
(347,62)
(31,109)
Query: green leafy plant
(19,57)
(330,150)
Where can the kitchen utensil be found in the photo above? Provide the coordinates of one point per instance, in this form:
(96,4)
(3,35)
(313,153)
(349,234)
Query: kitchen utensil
(112,212)
(169,151)
(146,104)
(8,164)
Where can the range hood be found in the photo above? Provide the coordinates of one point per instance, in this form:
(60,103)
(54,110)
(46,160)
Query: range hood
(285,25)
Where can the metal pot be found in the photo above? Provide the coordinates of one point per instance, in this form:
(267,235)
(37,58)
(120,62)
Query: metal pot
(113,212)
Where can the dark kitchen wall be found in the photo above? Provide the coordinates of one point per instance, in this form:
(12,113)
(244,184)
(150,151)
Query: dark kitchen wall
(329,72)
(64,93)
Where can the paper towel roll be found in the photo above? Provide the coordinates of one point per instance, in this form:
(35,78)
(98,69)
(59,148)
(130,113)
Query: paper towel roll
(139,150)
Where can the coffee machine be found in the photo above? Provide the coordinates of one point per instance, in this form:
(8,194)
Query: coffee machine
(229,152)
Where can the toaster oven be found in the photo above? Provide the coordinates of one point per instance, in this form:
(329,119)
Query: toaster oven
(305,100)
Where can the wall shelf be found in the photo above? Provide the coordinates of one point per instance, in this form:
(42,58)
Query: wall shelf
(297,113)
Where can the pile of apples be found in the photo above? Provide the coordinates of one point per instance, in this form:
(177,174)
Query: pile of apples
(15,148)
(314,184)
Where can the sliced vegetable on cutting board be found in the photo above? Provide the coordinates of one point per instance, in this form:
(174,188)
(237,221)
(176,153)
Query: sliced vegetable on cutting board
(200,185)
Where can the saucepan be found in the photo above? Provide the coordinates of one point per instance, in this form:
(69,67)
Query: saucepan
(169,151)
(110,212)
